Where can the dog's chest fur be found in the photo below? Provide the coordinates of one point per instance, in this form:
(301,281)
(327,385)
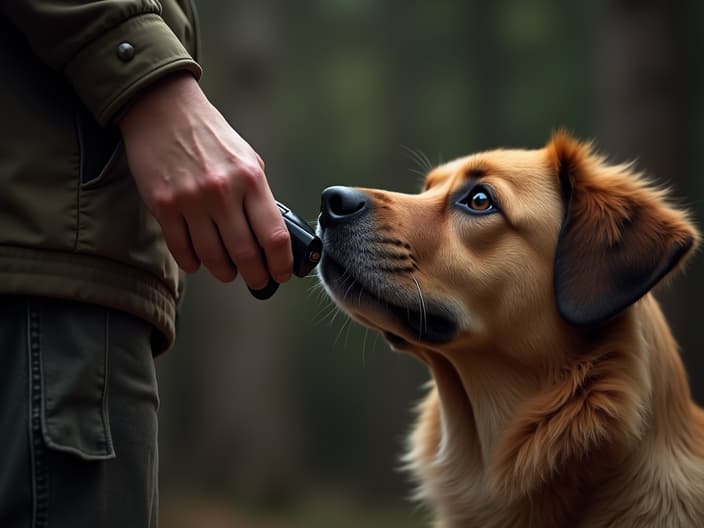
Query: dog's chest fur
(646,490)
(657,479)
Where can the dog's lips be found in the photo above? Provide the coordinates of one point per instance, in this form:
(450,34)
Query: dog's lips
(435,326)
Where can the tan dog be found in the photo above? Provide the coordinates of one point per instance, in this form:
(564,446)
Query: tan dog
(522,279)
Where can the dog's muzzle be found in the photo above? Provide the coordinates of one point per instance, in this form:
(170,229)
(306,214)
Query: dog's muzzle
(366,271)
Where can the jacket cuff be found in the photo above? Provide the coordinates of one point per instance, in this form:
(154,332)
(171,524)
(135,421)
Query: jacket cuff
(109,71)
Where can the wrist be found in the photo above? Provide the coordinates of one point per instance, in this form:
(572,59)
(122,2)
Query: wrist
(161,100)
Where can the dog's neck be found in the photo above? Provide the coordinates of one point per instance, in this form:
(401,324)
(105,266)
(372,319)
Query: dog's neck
(491,387)
(494,382)
(519,429)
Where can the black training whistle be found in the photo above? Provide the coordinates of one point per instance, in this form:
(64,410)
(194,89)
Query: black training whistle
(306,247)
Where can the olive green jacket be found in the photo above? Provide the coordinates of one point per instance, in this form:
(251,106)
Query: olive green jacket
(71,222)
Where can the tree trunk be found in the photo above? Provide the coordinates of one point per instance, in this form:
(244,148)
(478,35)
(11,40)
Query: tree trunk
(644,101)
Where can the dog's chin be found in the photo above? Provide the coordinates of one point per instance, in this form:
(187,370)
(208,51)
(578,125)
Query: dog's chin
(401,323)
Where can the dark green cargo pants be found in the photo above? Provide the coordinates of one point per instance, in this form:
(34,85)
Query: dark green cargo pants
(78,424)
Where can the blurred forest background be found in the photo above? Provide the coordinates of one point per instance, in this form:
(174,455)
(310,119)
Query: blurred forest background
(280,414)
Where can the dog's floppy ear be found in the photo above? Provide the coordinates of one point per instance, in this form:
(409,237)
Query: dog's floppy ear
(619,235)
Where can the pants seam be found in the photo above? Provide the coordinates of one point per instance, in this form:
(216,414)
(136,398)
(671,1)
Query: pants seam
(38,452)
(104,410)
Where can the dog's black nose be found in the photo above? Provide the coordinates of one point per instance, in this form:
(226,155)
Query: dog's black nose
(340,204)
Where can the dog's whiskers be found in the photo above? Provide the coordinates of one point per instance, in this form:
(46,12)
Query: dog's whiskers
(423,315)
(418,172)
(342,328)
(326,312)
(317,291)
(420,158)
(347,276)
(364,348)
(347,335)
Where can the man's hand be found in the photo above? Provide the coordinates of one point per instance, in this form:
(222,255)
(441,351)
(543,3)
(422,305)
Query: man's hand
(205,185)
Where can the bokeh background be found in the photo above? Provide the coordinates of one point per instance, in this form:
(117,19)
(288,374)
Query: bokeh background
(284,414)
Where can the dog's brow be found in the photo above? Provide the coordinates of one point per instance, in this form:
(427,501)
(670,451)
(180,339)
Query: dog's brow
(475,172)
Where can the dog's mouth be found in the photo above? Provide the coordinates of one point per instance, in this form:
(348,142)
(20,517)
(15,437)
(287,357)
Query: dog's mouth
(398,318)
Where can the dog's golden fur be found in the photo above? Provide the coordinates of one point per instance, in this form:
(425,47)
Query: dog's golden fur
(558,397)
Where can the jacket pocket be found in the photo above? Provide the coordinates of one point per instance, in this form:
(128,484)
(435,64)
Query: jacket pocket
(115,166)
(70,341)
(102,152)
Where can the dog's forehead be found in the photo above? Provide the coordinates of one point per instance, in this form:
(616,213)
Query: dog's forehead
(516,166)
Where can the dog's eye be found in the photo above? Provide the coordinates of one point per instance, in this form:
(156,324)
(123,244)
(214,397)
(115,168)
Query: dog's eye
(478,200)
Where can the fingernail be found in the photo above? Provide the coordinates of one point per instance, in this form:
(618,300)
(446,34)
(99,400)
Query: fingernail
(258,287)
(283,278)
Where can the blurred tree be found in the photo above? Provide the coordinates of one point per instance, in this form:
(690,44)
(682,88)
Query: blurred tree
(243,436)
(262,399)
(645,100)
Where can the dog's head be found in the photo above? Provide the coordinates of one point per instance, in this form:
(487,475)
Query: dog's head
(499,242)
(513,275)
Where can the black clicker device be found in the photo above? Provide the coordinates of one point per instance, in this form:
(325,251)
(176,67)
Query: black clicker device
(306,247)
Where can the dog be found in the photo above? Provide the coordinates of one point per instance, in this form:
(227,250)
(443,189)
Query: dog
(522,279)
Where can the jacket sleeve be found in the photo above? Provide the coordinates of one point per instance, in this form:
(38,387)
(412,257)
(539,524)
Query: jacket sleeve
(108,49)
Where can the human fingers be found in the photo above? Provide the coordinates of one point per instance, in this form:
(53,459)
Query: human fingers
(270,230)
(243,248)
(209,247)
(175,232)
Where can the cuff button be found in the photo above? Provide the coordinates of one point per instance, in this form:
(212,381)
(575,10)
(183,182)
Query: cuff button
(125,51)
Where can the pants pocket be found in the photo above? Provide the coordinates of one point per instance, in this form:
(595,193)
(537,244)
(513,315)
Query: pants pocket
(69,345)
